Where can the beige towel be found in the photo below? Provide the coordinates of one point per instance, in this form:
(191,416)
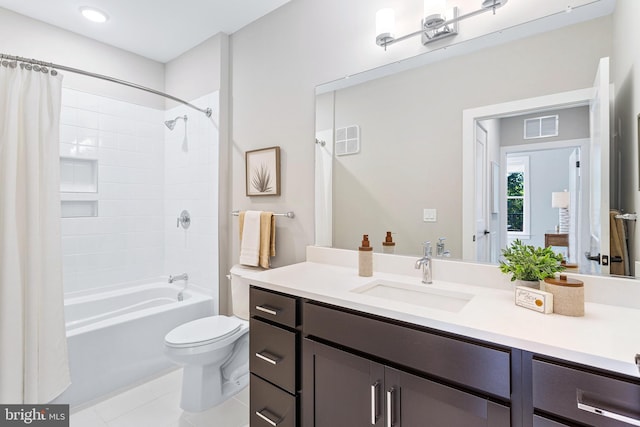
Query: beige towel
(618,243)
(267,237)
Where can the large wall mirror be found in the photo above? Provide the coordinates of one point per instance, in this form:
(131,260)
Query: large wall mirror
(398,149)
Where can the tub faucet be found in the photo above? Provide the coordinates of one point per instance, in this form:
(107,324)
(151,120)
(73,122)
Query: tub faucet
(183,276)
(425,263)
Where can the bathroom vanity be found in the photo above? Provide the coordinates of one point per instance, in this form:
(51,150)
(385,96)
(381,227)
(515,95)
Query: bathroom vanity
(329,350)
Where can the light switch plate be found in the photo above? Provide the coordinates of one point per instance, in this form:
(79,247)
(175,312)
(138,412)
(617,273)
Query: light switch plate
(430,215)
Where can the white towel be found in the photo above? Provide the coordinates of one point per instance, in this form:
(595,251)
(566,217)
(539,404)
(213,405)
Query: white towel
(250,244)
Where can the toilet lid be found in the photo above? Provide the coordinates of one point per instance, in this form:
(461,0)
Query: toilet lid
(203,331)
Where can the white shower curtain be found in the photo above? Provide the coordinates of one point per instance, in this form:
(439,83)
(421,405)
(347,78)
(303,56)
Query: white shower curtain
(34,365)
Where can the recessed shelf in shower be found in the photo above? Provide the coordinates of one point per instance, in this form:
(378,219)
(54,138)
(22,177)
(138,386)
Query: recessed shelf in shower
(78,187)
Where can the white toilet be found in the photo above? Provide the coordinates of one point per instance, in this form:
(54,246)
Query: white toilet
(214,351)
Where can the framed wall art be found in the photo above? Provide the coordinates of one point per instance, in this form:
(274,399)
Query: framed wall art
(263,172)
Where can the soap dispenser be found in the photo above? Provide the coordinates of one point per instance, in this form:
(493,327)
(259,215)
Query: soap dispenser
(365,258)
(388,246)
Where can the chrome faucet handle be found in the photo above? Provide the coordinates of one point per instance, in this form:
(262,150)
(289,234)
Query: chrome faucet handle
(427,248)
(184,220)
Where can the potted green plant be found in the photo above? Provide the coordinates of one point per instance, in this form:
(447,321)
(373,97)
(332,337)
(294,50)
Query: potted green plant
(528,265)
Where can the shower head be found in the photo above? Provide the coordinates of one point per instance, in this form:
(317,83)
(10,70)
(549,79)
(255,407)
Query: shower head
(172,123)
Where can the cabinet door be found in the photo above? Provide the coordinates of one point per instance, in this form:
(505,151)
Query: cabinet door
(347,389)
(545,422)
(413,401)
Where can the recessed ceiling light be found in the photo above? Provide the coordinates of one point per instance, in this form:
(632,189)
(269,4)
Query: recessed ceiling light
(93,14)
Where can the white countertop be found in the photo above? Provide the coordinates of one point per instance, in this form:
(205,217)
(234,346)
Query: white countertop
(607,337)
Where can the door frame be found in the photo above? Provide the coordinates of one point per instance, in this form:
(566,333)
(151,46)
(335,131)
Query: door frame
(582,207)
(482,242)
(574,98)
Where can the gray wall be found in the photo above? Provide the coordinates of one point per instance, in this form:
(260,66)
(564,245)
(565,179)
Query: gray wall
(411,128)
(278,60)
(26,37)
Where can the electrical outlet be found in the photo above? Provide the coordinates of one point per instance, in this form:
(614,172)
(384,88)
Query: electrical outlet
(430,215)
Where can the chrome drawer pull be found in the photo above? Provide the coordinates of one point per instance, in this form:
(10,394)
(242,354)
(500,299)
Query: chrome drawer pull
(390,407)
(608,414)
(271,311)
(267,419)
(273,361)
(374,401)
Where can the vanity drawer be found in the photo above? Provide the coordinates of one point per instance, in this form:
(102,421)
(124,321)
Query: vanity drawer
(468,364)
(272,354)
(270,406)
(278,308)
(586,397)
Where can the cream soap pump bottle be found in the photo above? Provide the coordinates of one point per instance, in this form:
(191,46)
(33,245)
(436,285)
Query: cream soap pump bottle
(365,258)
(388,246)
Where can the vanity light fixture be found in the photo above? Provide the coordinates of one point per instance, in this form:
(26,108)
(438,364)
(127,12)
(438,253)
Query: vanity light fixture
(94,15)
(438,22)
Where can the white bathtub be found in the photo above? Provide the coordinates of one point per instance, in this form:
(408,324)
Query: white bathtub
(116,337)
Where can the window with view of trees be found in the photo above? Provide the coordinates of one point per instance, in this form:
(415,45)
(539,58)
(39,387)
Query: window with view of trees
(517,203)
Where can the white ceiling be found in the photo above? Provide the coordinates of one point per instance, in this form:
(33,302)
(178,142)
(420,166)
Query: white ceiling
(157,29)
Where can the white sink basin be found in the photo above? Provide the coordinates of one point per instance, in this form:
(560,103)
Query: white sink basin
(423,296)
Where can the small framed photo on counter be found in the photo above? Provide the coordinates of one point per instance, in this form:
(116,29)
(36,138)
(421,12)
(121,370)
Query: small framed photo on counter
(263,172)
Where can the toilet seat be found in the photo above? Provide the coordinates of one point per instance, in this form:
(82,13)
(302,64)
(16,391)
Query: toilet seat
(204,331)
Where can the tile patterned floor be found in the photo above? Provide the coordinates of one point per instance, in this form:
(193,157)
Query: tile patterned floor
(157,404)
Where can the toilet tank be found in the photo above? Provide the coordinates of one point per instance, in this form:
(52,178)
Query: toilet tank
(240,290)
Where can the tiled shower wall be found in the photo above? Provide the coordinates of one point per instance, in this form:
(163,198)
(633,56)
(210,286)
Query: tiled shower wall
(129,239)
(191,183)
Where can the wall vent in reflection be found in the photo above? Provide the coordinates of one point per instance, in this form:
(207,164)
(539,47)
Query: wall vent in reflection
(347,140)
(541,127)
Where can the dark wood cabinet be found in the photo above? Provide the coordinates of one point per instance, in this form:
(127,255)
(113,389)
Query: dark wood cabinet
(318,365)
(539,421)
(450,358)
(583,396)
(350,390)
(270,405)
(274,361)
(347,389)
(273,354)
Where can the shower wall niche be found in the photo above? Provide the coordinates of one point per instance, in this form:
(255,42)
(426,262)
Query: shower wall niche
(114,193)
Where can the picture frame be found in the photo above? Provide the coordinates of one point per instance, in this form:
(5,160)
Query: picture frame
(263,172)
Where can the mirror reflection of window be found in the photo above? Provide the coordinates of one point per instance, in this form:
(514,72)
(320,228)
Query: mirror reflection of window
(517,197)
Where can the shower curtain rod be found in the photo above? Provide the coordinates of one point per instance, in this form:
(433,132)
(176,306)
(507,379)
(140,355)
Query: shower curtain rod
(207,111)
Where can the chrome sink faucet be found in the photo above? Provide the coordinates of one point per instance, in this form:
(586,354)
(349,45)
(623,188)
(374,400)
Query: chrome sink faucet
(425,263)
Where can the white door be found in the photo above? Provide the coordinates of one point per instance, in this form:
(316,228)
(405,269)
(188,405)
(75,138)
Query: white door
(482,232)
(575,215)
(599,178)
